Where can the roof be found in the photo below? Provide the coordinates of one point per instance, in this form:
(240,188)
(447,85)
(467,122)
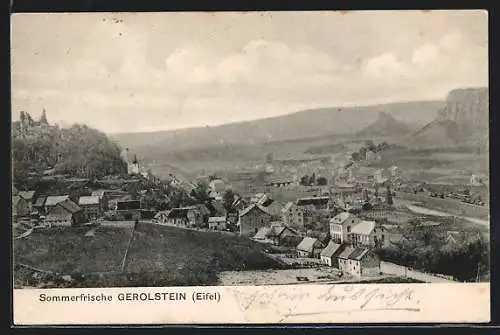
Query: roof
(262,233)
(89,200)
(308,244)
(15,200)
(331,249)
(346,253)
(53,200)
(312,201)
(341,184)
(358,253)
(274,208)
(363,228)
(98,193)
(218,185)
(252,206)
(70,206)
(128,204)
(27,195)
(287,206)
(217,219)
(40,201)
(276,230)
(340,218)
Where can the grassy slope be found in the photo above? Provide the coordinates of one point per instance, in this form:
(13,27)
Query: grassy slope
(158,255)
(68,250)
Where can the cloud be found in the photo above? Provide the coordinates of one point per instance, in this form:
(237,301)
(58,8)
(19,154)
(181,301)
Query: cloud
(386,65)
(260,62)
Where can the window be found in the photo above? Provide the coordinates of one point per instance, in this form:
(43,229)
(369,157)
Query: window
(348,229)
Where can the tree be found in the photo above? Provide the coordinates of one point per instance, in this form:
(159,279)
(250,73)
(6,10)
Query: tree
(228,201)
(201,192)
(362,153)
(356,156)
(370,146)
(321,181)
(304,180)
(312,180)
(389,196)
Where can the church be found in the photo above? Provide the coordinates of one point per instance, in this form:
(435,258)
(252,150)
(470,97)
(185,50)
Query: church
(132,163)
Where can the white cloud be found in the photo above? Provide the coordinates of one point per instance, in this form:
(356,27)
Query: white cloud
(386,65)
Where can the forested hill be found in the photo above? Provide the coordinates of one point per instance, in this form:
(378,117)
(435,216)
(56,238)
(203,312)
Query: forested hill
(79,151)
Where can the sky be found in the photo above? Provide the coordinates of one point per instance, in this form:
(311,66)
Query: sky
(137,72)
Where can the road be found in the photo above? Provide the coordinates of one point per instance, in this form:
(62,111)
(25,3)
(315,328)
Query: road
(422,209)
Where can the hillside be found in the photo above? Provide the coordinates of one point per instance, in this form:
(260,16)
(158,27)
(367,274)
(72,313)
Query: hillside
(462,121)
(157,256)
(385,125)
(78,150)
(303,124)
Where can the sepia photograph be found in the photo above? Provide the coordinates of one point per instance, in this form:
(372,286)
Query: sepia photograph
(235,149)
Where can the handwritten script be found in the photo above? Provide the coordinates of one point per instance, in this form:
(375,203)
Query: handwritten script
(298,301)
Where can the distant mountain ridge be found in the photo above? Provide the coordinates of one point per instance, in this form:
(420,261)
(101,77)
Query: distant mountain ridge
(385,125)
(303,124)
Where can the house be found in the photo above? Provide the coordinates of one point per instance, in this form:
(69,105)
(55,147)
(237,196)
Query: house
(52,201)
(29,196)
(39,204)
(293,216)
(280,183)
(91,205)
(217,187)
(20,207)
(128,209)
(280,234)
(274,208)
(217,222)
(262,234)
(252,218)
(476,180)
(107,197)
(359,261)
(318,203)
(343,188)
(329,255)
(368,233)
(180,217)
(309,247)
(64,213)
(341,225)
(261,199)
(372,156)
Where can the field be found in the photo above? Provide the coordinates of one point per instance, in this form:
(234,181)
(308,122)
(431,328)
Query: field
(68,250)
(157,256)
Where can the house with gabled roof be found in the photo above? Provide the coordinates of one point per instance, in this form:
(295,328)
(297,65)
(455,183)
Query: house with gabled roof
(359,261)
(341,225)
(293,216)
(91,205)
(368,233)
(252,218)
(217,222)
(309,247)
(20,207)
(329,255)
(64,213)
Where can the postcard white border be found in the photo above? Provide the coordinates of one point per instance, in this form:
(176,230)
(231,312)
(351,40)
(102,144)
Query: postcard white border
(309,303)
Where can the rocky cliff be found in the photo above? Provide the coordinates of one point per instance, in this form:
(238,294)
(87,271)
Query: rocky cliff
(467,107)
(463,121)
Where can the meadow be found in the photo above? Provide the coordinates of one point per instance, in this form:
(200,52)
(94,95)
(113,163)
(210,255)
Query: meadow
(157,256)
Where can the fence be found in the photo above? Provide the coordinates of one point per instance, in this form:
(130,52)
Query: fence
(403,271)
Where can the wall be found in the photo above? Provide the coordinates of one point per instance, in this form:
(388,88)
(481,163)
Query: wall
(253,221)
